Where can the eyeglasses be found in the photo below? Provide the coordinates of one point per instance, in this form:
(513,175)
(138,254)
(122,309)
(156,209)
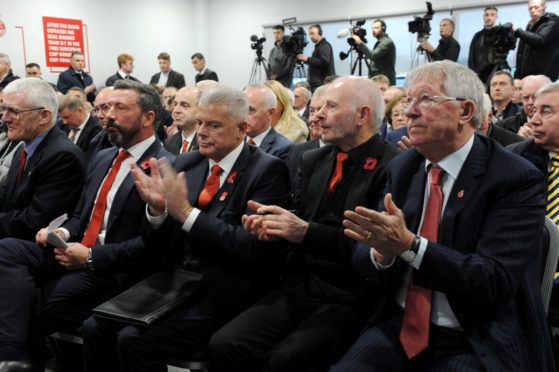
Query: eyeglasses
(426,100)
(103,108)
(5,110)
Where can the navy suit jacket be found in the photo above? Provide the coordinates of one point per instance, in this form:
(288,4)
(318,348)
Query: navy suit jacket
(123,247)
(276,144)
(98,143)
(71,78)
(173,144)
(49,187)
(89,131)
(487,260)
(236,267)
(395,135)
(111,80)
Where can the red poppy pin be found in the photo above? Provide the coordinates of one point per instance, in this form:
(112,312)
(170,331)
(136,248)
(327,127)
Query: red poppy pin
(145,165)
(231,178)
(370,164)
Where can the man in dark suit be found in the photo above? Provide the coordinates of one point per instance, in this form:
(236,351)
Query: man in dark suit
(101,108)
(500,135)
(125,69)
(457,248)
(203,73)
(75,76)
(200,230)
(184,118)
(308,322)
(167,77)
(47,174)
(79,124)
(262,105)
(54,289)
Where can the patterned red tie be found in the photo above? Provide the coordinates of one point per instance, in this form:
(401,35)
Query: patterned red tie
(184,146)
(211,187)
(22,160)
(338,173)
(251,142)
(94,227)
(414,335)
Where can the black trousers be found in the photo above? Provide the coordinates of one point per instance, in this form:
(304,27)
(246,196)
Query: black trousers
(289,330)
(38,296)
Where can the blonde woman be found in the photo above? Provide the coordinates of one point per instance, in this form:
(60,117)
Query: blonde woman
(286,121)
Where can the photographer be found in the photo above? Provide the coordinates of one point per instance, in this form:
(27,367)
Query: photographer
(538,50)
(280,64)
(482,57)
(321,62)
(383,55)
(448,47)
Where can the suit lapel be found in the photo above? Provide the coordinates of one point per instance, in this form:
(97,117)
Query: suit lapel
(318,184)
(268,140)
(196,179)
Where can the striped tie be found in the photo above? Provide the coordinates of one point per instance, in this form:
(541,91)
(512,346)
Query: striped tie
(553,190)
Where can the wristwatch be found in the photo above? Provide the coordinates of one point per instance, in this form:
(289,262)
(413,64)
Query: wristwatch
(409,254)
(89,263)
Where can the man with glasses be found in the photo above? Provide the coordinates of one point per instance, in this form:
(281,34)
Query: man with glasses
(100,109)
(520,123)
(456,250)
(46,175)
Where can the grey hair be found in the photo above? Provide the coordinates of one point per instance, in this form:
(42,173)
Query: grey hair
(148,96)
(486,108)
(268,94)
(548,88)
(71,103)
(536,78)
(38,93)
(5,58)
(307,92)
(319,92)
(459,81)
(235,101)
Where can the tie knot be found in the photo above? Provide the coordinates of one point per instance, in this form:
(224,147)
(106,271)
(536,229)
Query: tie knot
(341,157)
(122,154)
(436,173)
(216,170)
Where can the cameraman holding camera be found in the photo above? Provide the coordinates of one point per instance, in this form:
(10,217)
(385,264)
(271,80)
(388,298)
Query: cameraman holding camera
(538,50)
(448,47)
(280,64)
(482,57)
(383,55)
(321,62)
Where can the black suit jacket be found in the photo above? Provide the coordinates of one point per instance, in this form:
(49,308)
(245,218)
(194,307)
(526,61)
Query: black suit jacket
(503,136)
(175,79)
(111,80)
(487,260)
(123,249)
(236,267)
(325,250)
(207,75)
(294,158)
(98,143)
(276,144)
(534,154)
(50,186)
(89,131)
(71,78)
(173,144)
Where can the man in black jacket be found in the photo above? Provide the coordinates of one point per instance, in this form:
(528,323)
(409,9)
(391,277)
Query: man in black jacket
(538,50)
(482,56)
(448,47)
(321,62)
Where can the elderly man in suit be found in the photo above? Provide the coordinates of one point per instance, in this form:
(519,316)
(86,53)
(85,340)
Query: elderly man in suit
(45,288)
(46,176)
(167,77)
(307,323)
(262,105)
(195,220)
(184,118)
(457,248)
(79,124)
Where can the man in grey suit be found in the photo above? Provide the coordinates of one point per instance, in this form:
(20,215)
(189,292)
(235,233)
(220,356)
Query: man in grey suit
(262,105)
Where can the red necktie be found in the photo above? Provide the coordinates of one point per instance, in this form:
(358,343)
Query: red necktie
(251,142)
(414,335)
(94,227)
(211,187)
(22,160)
(338,173)
(184,147)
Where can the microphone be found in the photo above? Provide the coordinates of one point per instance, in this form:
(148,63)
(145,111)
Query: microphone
(343,33)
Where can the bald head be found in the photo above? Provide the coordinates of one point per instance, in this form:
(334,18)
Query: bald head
(101,105)
(185,109)
(262,105)
(530,85)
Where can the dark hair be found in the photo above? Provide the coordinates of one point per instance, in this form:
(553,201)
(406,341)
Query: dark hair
(76,53)
(506,73)
(279,27)
(164,56)
(32,64)
(197,55)
(382,23)
(318,27)
(491,7)
(148,96)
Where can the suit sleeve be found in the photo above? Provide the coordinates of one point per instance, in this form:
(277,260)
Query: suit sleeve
(545,34)
(383,49)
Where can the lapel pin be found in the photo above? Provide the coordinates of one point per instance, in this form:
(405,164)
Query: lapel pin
(223,196)
(460,194)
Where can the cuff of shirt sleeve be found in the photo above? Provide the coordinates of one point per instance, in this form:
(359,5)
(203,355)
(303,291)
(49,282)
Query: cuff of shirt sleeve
(156,221)
(192,217)
(65,232)
(378,265)
(416,263)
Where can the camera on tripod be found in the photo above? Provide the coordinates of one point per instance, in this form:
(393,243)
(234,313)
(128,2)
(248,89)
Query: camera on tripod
(257,43)
(357,30)
(295,43)
(501,38)
(421,25)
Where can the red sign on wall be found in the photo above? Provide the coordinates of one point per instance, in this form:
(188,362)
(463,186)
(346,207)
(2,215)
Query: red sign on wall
(62,37)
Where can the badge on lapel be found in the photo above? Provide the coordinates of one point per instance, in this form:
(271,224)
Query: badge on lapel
(231,179)
(460,194)
(370,164)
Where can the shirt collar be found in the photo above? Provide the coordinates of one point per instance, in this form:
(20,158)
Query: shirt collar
(189,138)
(226,164)
(122,74)
(30,147)
(137,150)
(452,164)
(259,138)
(82,125)
(203,71)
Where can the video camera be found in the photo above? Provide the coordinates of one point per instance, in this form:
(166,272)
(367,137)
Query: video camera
(295,43)
(501,38)
(358,30)
(421,25)
(257,43)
